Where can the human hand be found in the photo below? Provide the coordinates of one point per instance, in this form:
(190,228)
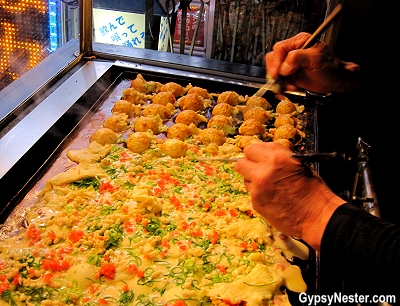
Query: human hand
(315,69)
(287,193)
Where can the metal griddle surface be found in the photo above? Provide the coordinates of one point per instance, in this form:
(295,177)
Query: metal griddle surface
(78,138)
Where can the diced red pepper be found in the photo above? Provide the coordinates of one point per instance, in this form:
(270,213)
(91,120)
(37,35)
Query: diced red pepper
(55,265)
(107,186)
(175,201)
(233,213)
(4,287)
(219,212)
(103,301)
(75,236)
(108,270)
(47,278)
(214,237)
(51,235)
(221,268)
(33,235)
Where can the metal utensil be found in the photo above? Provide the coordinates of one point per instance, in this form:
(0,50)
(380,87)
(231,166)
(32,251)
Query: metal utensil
(267,86)
(304,157)
(310,42)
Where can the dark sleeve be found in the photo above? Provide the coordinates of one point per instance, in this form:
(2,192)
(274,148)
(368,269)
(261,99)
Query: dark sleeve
(364,250)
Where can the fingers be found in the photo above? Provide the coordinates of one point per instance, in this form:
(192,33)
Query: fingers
(259,151)
(259,158)
(275,58)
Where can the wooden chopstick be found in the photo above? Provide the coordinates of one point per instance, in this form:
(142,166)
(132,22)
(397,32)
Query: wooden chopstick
(323,27)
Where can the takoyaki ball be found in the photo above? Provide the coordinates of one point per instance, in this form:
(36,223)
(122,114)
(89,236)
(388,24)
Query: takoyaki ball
(286,143)
(180,131)
(210,135)
(141,85)
(117,122)
(164,111)
(257,113)
(286,106)
(223,109)
(192,102)
(144,124)
(104,136)
(252,127)
(244,141)
(258,101)
(198,91)
(219,122)
(230,97)
(126,107)
(286,131)
(283,119)
(138,142)
(228,149)
(164,98)
(174,147)
(134,96)
(189,116)
(176,89)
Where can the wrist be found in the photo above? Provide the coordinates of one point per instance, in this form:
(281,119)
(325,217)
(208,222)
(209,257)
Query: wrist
(314,229)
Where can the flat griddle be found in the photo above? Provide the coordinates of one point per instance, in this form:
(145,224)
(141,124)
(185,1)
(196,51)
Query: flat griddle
(88,115)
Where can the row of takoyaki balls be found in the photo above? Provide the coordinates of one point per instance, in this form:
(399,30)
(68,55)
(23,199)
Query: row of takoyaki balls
(151,109)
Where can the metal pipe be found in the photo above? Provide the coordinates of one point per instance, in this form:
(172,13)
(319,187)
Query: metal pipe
(86,27)
(235,26)
(183,27)
(196,30)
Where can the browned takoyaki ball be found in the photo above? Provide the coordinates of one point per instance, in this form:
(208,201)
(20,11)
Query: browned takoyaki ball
(144,124)
(257,113)
(224,109)
(189,116)
(244,141)
(134,96)
(164,98)
(104,136)
(219,122)
(198,91)
(230,97)
(176,89)
(252,127)
(164,111)
(138,142)
(258,101)
(210,135)
(117,122)
(126,107)
(285,142)
(283,119)
(286,131)
(192,102)
(141,85)
(180,131)
(174,147)
(285,106)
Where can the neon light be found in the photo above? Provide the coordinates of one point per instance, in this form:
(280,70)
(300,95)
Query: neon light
(53,25)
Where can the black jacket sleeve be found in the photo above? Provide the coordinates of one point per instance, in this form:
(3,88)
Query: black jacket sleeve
(363,250)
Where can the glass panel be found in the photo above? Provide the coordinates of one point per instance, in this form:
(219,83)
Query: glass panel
(234,31)
(31,30)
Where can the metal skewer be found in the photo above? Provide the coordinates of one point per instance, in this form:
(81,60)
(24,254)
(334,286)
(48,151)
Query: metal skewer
(304,157)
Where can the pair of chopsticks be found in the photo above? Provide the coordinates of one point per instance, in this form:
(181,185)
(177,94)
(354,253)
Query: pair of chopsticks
(310,42)
(303,157)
